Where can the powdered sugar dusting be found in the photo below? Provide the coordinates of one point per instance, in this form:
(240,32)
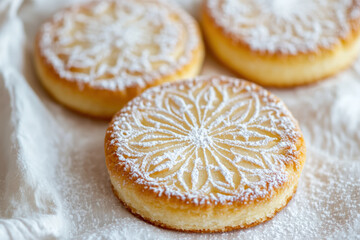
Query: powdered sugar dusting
(286,26)
(326,205)
(118,44)
(206,140)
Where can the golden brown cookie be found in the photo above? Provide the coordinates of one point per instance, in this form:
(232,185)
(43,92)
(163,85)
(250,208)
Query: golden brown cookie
(211,154)
(96,56)
(283,43)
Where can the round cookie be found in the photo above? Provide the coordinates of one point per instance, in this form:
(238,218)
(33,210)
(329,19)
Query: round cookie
(95,57)
(283,43)
(211,154)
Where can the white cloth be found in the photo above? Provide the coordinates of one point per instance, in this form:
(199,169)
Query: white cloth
(53,179)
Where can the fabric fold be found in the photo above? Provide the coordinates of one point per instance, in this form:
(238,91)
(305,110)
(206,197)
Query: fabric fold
(30,207)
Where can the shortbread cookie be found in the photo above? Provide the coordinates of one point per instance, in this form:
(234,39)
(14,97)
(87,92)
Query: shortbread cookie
(97,56)
(283,43)
(211,154)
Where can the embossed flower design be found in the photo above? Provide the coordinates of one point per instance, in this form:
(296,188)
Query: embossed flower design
(200,137)
(116,40)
